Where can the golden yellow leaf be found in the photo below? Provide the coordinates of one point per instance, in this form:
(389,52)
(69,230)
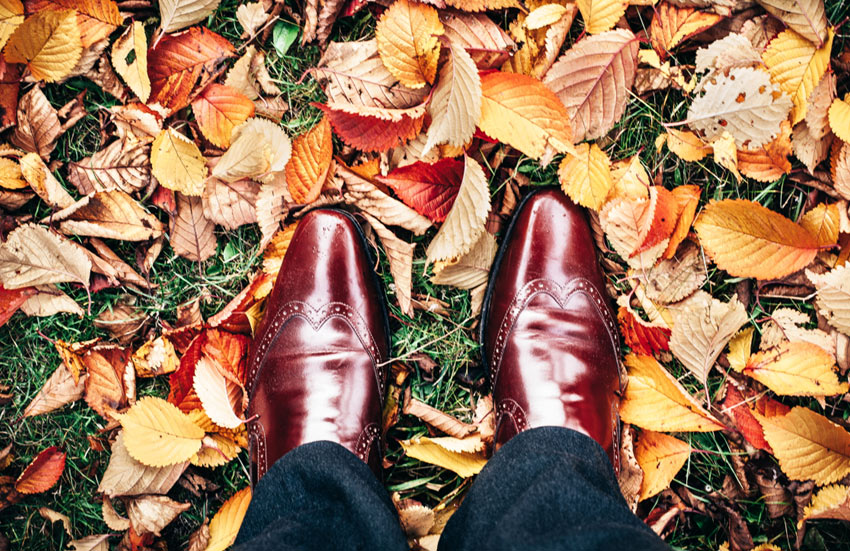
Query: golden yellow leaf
(796,369)
(308,166)
(224,526)
(408,42)
(158,434)
(48,42)
(276,249)
(839,119)
(832,502)
(10,175)
(808,445)
(660,457)
(769,162)
(726,154)
(686,145)
(749,240)
(601,15)
(220,444)
(461,456)
(130,59)
(630,179)
(740,348)
(797,66)
(521,111)
(654,400)
(177,163)
(11,15)
(823,222)
(586,175)
(156,357)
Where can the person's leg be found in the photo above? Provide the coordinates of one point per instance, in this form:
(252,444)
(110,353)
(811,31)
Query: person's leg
(547,488)
(320,496)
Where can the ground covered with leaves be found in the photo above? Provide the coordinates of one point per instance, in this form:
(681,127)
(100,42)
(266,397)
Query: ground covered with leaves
(158,155)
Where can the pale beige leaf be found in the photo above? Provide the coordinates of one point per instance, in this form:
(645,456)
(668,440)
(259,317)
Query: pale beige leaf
(251,16)
(788,324)
(33,255)
(833,296)
(808,445)
(123,164)
(158,434)
(179,14)
(49,300)
(676,278)
(219,396)
(593,80)
(817,112)
(366,196)
(130,59)
(177,163)
(400,256)
(810,150)
(91,543)
(733,50)
(109,214)
(125,476)
(257,134)
(807,17)
(58,390)
(416,519)
(54,516)
(726,153)
(626,223)
(465,221)
(744,103)
(43,183)
(192,234)
(456,102)
(438,419)
(226,523)
(470,270)
(111,518)
(38,125)
(150,514)
(459,456)
(483,39)
(231,204)
(271,207)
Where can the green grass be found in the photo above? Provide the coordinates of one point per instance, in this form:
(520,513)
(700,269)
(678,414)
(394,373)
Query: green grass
(27,358)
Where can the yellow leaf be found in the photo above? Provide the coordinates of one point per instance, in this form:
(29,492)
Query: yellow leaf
(225,525)
(654,400)
(797,66)
(839,119)
(48,42)
(796,369)
(522,112)
(461,456)
(408,42)
(133,46)
(155,357)
(807,17)
(726,154)
(671,25)
(177,163)
(601,15)
(586,175)
(10,175)
(832,502)
(158,434)
(308,166)
(808,445)
(220,444)
(545,15)
(823,222)
(749,240)
(686,145)
(740,348)
(276,249)
(660,457)
(11,15)
(630,179)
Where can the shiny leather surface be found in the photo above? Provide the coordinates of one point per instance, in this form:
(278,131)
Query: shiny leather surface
(314,363)
(548,332)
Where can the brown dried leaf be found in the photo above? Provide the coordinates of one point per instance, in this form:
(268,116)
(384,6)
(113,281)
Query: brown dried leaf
(38,124)
(150,514)
(58,390)
(192,235)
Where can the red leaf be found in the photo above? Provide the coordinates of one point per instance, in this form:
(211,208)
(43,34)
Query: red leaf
(182,393)
(641,337)
(180,60)
(372,128)
(10,84)
(429,189)
(229,350)
(11,300)
(42,473)
(233,317)
(740,406)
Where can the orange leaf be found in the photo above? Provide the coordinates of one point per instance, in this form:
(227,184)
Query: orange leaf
(96,19)
(11,300)
(42,473)
(660,457)
(687,201)
(307,169)
(663,219)
(672,26)
(228,349)
(768,163)
(180,60)
(741,407)
(182,393)
(749,240)
(642,337)
(218,110)
(374,128)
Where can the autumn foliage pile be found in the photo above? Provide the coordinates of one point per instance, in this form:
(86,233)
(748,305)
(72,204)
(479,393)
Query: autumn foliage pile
(427,126)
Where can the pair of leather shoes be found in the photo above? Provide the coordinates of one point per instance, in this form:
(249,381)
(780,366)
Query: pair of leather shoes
(318,366)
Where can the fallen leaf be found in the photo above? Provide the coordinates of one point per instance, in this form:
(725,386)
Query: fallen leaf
(123,164)
(373,128)
(111,518)
(808,445)
(106,367)
(742,407)
(276,249)
(586,176)
(256,136)
(627,224)
(220,397)
(156,357)
(487,44)
(428,188)
(796,369)
(465,221)
(823,222)
(192,235)
(654,400)
(839,119)
(150,514)
(400,256)
(601,15)
(96,19)
(11,300)
(520,111)
(770,162)
(49,300)
(42,473)
(48,42)
(687,145)
(177,163)
(749,240)
(219,109)
(807,17)
(672,25)
(252,17)
(130,59)
(726,153)
(470,270)
(91,543)
(125,476)
(109,214)
(33,255)
(366,196)
(677,278)
(460,456)
(12,15)
(53,516)
(660,457)
(833,296)
(43,183)
(225,525)
(308,166)
(38,126)
(407,35)
(179,14)
(831,502)
(230,204)
(642,337)
(158,434)
(687,200)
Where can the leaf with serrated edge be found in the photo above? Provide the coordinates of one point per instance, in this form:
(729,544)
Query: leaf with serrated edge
(366,196)
(226,523)
(831,502)
(48,42)
(834,296)
(192,234)
(231,204)
(135,72)
(428,188)
(58,390)
(796,369)
(38,125)
(601,15)
(158,434)
(470,270)
(177,163)
(125,476)
(33,255)
(449,453)
(219,109)
(823,222)
(308,166)
(807,17)
(109,214)
(400,256)
(179,14)
(218,395)
(42,473)
(11,15)
(654,400)
(123,164)
(808,445)
(586,175)
(408,41)
(483,39)
(465,222)
(671,25)
(839,119)
(593,80)
(749,240)
(660,457)
(150,514)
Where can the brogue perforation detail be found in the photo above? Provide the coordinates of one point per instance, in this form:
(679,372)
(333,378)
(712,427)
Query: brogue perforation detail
(368,436)
(257,434)
(514,411)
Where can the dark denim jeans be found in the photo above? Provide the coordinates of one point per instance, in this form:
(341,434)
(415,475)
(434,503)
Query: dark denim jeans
(547,489)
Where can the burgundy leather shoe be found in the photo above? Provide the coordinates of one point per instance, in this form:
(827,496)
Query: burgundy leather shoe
(314,370)
(549,338)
